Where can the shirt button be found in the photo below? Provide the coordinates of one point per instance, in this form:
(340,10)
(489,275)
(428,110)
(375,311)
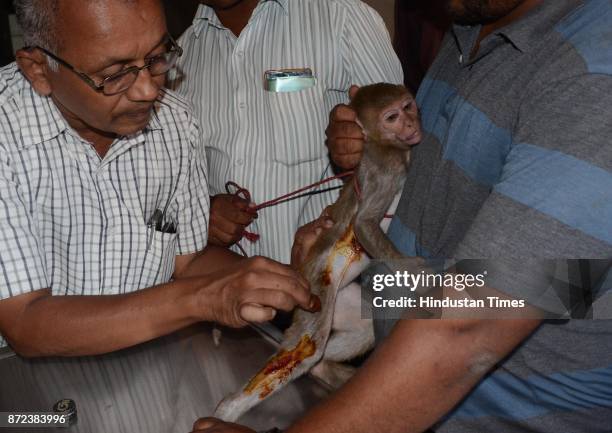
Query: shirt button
(240,53)
(239,162)
(242,105)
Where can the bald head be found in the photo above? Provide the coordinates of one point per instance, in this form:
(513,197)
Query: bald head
(38,19)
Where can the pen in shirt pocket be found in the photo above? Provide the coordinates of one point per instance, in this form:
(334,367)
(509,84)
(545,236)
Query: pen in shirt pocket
(158,223)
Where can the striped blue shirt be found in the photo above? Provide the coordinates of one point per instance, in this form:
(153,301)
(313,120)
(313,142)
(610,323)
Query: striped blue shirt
(515,164)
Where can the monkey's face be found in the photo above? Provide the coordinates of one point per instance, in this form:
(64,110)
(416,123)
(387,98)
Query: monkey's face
(399,123)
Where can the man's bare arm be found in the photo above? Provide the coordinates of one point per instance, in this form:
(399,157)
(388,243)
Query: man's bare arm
(207,261)
(38,324)
(427,366)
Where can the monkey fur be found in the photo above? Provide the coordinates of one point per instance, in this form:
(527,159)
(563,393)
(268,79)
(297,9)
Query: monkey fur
(390,122)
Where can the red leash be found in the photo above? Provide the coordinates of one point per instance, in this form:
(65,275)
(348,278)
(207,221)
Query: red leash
(245,194)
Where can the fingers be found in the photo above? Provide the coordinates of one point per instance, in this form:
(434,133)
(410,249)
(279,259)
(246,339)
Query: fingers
(223,233)
(263,264)
(306,237)
(213,425)
(342,113)
(347,162)
(290,290)
(344,137)
(229,216)
(269,301)
(256,313)
(253,289)
(233,209)
(353,91)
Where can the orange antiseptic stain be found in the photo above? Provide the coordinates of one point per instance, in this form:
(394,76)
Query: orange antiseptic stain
(280,366)
(326,276)
(348,245)
(267,389)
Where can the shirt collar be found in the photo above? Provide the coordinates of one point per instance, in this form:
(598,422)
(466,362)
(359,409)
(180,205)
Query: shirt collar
(205,15)
(527,32)
(41,120)
(531,30)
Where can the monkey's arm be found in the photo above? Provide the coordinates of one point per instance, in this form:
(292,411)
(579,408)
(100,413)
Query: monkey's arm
(374,240)
(403,390)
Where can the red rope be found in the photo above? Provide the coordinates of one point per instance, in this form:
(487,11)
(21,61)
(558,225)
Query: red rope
(245,194)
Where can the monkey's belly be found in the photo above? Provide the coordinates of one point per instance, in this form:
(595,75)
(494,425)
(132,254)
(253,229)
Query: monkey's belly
(345,262)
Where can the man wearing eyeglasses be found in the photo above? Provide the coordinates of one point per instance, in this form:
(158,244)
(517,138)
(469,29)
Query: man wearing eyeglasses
(103,192)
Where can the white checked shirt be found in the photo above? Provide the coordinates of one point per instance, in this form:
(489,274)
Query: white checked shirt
(77,223)
(274,143)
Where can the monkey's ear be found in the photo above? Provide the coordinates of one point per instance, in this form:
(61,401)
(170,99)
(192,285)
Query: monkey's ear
(33,64)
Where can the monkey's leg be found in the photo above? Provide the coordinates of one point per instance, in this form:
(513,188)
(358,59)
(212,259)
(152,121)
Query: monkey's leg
(304,342)
(374,240)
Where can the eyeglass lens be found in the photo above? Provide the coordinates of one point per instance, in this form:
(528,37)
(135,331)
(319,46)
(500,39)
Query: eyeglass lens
(157,65)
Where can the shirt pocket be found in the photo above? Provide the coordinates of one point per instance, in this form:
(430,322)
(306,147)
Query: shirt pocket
(298,121)
(159,257)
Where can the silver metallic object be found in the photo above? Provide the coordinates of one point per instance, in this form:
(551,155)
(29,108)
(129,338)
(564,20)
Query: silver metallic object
(289,80)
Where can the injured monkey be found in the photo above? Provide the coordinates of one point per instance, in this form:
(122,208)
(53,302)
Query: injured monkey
(389,118)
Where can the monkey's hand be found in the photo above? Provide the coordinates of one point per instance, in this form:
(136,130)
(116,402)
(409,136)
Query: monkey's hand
(229,216)
(306,236)
(345,138)
(213,425)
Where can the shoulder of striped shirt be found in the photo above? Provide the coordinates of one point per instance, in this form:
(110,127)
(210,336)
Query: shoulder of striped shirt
(344,4)
(11,81)
(174,102)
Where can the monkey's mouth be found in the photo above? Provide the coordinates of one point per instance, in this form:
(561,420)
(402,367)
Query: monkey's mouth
(412,139)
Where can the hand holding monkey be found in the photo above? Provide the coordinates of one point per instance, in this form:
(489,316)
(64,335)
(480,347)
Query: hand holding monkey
(345,138)
(229,217)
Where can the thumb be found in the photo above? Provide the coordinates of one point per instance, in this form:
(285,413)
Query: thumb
(353,91)
(256,313)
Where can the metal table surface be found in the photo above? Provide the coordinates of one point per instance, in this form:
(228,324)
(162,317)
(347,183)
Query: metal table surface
(160,386)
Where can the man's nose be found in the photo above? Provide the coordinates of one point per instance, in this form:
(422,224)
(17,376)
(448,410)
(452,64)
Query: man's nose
(144,89)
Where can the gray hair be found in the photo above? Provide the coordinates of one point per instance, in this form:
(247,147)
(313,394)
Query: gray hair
(37,20)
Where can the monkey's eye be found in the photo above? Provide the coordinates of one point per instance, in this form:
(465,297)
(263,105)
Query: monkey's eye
(408,106)
(390,118)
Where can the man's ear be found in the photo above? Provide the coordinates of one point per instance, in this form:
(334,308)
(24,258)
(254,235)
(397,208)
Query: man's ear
(33,64)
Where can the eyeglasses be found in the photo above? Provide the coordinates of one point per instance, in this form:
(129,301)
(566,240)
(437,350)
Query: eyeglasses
(123,80)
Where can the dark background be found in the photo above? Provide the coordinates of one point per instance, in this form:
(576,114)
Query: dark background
(179,16)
